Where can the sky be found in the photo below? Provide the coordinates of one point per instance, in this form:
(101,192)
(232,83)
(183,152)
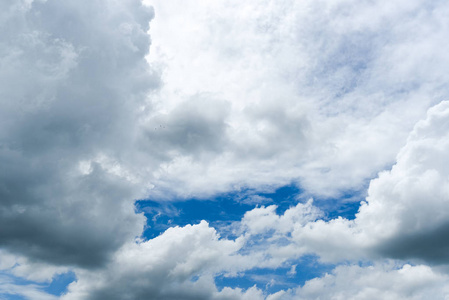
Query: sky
(224,150)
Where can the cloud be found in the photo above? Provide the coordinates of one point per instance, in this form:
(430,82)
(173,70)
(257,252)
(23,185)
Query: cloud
(376,282)
(415,191)
(183,261)
(404,215)
(73,76)
(178,264)
(315,91)
(397,220)
(264,219)
(252,94)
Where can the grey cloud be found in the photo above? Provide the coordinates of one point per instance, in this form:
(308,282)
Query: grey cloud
(178,264)
(57,227)
(415,190)
(321,88)
(405,213)
(274,129)
(430,246)
(195,127)
(380,281)
(73,76)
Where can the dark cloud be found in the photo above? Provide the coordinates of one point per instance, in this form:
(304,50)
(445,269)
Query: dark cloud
(430,246)
(73,74)
(195,128)
(70,223)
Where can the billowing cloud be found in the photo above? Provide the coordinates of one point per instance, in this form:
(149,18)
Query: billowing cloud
(404,215)
(316,91)
(178,264)
(73,75)
(407,206)
(182,262)
(376,282)
(233,96)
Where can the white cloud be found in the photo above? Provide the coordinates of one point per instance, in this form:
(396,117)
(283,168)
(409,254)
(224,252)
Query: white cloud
(237,94)
(178,264)
(264,219)
(405,213)
(312,96)
(184,261)
(407,206)
(384,281)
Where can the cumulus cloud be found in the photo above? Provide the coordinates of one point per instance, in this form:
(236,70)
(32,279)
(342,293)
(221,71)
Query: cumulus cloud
(404,215)
(310,98)
(416,192)
(182,262)
(311,94)
(376,282)
(234,95)
(73,77)
(404,228)
(178,264)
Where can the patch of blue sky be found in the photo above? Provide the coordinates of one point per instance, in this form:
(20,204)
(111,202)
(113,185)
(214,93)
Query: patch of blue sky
(224,210)
(8,277)
(294,274)
(7,281)
(346,205)
(11,297)
(57,286)
(219,211)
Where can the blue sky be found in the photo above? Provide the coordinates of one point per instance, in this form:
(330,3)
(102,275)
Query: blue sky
(216,150)
(224,209)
